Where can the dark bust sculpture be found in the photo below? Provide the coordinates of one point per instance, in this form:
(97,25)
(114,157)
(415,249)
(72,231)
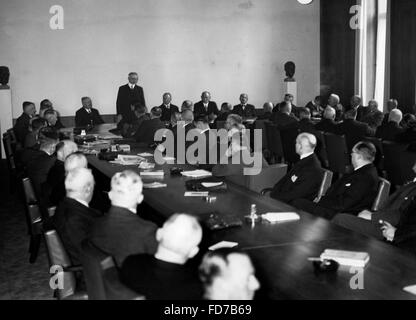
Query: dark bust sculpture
(290,68)
(4,77)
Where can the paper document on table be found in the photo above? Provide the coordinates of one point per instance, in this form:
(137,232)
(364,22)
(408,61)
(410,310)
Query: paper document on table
(280,216)
(152,173)
(410,289)
(145,154)
(196,194)
(196,173)
(146,165)
(347,258)
(223,244)
(211,184)
(154,185)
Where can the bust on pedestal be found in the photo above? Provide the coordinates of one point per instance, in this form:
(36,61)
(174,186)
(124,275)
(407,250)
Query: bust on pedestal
(290,84)
(6,117)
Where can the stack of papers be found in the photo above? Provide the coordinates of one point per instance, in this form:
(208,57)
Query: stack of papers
(145,154)
(152,173)
(154,185)
(223,244)
(347,258)
(410,289)
(280,216)
(146,165)
(127,160)
(196,173)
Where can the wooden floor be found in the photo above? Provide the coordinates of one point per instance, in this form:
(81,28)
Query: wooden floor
(19,280)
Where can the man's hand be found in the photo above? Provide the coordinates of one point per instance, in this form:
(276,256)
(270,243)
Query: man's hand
(388,230)
(365,214)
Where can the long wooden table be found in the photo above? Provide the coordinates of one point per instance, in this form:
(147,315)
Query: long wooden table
(280,251)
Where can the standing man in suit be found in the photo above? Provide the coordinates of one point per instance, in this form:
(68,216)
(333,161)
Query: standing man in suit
(146,132)
(244,109)
(87,115)
(353,192)
(206,106)
(167,108)
(353,130)
(21,128)
(305,177)
(128,95)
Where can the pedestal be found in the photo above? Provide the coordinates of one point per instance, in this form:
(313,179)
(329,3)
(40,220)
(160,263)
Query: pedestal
(6,115)
(292,88)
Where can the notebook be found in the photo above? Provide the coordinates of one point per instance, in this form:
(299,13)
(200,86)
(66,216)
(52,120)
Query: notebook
(280,216)
(347,258)
(196,173)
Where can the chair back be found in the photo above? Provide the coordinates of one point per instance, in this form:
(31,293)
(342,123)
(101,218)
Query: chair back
(29,192)
(274,139)
(326,183)
(267,178)
(382,194)
(379,160)
(398,163)
(261,125)
(58,258)
(338,156)
(288,143)
(321,150)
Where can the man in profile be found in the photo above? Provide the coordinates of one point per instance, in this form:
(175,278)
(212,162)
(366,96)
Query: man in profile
(228,274)
(166,274)
(305,177)
(21,128)
(129,94)
(73,218)
(167,108)
(327,124)
(391,130)
(87,115)
(353,192)
(146,131)
(288,99)
(315,106)
(334,101)
(206,106)
(187,105)
(244,109)
(121,232)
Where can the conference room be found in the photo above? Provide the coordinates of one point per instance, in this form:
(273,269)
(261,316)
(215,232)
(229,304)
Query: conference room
(208,150)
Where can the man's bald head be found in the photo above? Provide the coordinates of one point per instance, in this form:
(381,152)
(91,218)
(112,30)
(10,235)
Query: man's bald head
(187,116)
(126,190)
(75,160)
(395,116)
(79,184)
(329,113)
(65,148)
(268,107)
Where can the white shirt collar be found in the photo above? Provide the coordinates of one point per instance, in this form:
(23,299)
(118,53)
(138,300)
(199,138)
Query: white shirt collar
(360,167)
(206,104)
(303,156)
(85,203)
(131,85)
(167,106)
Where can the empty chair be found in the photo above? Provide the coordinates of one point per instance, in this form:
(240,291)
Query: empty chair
(338,156)
(59,259)
(382,194)
(326,183)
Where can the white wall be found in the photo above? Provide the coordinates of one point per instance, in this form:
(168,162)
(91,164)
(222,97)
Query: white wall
(181,46)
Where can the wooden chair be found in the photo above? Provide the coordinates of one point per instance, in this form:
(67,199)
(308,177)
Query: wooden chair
(326,183)
(382,194)
(321,150)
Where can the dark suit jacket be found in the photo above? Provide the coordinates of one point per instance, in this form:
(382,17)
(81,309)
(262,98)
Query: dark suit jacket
(83,118)
(265,116)
(389,131)
(302,181)
(54,187)
(199,108)
(166,113)
(306,125)
(353,130)
(405,235)
(38,168)
(146,132)
(31,139)
(222,116)
(327,125)
(283,120)
(73,222)
(353,192)
(125,98)
(230,169)
(248,112)
(362,112)
(21,128)
(121,233)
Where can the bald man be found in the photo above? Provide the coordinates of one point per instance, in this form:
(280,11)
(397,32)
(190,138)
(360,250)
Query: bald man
(121,232)
(73,218)
(267,111)
(392,129)
(167,107)
(206,106)
(244,109)
(304,179)
(327,124)
(166,275)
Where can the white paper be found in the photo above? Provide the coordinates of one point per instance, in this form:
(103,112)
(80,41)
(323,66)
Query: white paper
(211,184)
(152,173)
(196,173)
(223,244)
(410,289)
(196,194)
(280,216)
(146,165)
(154,185)
(145,154)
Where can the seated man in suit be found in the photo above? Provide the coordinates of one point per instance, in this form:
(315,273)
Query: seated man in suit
(51,117)
(315,107)
(187,105)
(224,112)
(146,132)
(73,218)
(245,109)
(45,105)
(53,188)
(87,115)
(305,123)
(32,138)
(228,274)
(167,107)
(121,232)
(355,103)
(21,128)
(364,112)
(391,105)
(398,210)
(353,130)
(288,99)
(392,129)
(39,164)
(167,274)
(353,192)
(206,106)
(305,177)
(283,118)
(327,124)
(129,129)
(334,102)
(267,111)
